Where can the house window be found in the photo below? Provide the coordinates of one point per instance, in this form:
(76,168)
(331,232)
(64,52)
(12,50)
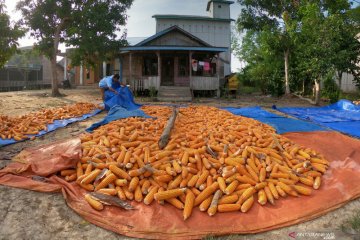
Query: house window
(219,6)
(183,66)
(150,66)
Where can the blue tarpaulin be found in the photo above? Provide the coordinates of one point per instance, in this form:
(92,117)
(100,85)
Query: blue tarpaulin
(342,111)
(342,116)
(281,124)
(124,98)
(118,112)
(51,127)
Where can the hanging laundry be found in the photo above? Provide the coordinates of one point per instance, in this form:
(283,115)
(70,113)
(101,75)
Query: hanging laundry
(206,66)
(194,64)
(201,63)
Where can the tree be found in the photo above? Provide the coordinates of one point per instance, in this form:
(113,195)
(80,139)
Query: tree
(262,53)
(326,41)
(320,37)
(343,30)
(90,26)
(8,37)
(277,14)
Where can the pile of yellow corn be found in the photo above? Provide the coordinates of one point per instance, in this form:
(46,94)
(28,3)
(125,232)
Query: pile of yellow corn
(32,123)
(215,161)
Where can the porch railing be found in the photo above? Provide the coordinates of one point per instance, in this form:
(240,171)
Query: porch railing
(144,83)
(204,83)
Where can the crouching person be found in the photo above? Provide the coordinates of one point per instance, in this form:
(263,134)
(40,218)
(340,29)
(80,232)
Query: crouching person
(109,83)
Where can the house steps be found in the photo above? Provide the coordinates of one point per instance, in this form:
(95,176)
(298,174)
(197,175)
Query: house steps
(174,94)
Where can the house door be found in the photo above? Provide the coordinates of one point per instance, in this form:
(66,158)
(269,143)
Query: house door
(167,71)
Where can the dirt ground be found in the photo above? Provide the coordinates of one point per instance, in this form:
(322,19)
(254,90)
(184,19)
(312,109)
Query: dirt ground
(27,214)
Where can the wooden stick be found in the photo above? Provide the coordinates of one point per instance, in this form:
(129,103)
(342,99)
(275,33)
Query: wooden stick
(306,99)
(164,139)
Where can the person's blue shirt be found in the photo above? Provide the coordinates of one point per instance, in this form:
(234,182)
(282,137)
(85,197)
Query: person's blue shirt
(108,82)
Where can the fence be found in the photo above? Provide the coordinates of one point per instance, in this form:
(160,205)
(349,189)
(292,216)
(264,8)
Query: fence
(22,78)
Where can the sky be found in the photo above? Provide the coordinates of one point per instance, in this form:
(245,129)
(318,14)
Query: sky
(140,22)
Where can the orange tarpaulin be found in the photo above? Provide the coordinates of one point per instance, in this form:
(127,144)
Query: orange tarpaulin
(340,185)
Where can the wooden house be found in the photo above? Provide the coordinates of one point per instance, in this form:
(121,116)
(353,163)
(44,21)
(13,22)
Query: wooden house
(187,53)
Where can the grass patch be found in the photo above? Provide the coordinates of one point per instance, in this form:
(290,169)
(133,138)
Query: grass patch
(248,90)
(352,225)
(350,96)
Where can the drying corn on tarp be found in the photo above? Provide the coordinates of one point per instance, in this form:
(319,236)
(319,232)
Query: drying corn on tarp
(117,112)
(29,126)
(343,116)
(280,123)
(234,169)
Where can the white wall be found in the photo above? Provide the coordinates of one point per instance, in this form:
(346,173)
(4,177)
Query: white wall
(347,84)
(219,12)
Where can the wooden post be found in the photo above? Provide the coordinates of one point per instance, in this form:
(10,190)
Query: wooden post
(159,65)
(190,69)
(218,74)
(104,69)
(130,68)
(165,136)
(8,79)
(121,69)
(81,75)
(65,66)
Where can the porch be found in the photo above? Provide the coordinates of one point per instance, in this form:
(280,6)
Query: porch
(143,70)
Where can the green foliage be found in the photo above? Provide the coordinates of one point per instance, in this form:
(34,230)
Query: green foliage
(90,26)
(319,35)
(264,70)
(152,92)
(350,96)
(8,37)
(352,225)
(330,90)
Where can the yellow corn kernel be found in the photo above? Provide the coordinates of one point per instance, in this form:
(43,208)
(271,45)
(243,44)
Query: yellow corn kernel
(189,204)
(269,195)
(231,188)
(169,194)
(317,182)
(175,202)
(108,191)
(205,204)
(206,193)
(228,207)
(150,196)
(106,181)
(245,207)
(280,191)
(94,203)
(273,190)
(119,172)
(121,182)
(133,184)
(214,203)
(229,199)
(91,177)
(262,199)
(138,194)
(302,190)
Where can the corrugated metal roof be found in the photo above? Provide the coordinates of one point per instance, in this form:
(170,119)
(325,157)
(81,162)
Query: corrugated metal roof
(174,48)
(192,17)
(170,29)
(218,1)
(135,40)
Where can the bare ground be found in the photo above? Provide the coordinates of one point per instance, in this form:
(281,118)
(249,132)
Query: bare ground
(27,214)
